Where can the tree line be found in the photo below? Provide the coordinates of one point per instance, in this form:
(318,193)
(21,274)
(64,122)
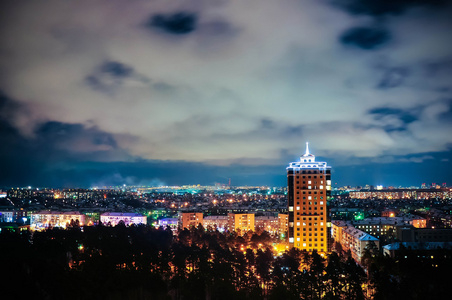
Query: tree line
(142,262)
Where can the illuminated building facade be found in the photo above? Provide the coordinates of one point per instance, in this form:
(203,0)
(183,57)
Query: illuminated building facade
(216,222)
(267,223)
(189,219)
(7,216)
(386,227)
(173,223)
(283,220)
(241,222)
(44,219)
(114,218)
(309,187)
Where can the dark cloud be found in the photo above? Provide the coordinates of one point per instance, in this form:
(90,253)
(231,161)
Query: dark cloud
(109,75)
(29,160)
(156,73)
(116,69)
(67,135)
(178,23)
(393,77)
(368,38)
(383,7)
(382,112)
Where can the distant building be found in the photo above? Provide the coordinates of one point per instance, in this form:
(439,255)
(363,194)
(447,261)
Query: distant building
(386,226)
(92,218)
(423,235)
(189,219)
(44,219)
(241,222)
(10,216)
(114,218)
(347,214)
(7,216)
(309,186)
(352,239)
(173,223)
(431,193)
(393,248)
(216,222)
(389,213)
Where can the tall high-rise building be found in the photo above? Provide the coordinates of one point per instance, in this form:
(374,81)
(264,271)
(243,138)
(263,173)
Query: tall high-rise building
(309,188)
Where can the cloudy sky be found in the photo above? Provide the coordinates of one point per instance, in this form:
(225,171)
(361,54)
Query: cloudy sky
(113,92)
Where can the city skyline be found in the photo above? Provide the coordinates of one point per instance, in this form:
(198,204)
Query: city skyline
(201,92)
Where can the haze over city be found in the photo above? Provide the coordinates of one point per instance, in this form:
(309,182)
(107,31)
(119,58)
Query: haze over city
(96,93)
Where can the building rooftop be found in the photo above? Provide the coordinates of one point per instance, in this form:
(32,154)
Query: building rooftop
(387,220)
(361,235)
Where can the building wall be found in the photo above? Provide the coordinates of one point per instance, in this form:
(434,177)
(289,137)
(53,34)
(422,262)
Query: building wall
(352,239)
(283,220)
(41,220)
(218,222)
(128,219)
(424,235)
(309,186)
(267,223)
(241,222)
(7,216)
(189,219)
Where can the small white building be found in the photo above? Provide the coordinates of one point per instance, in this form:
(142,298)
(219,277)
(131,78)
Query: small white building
(114,218)
(7,216)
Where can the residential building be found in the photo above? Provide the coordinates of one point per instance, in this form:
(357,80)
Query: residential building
(45,219)
(353,239)
(283,220)
(113,218)
(386,226)
(309,188)
(267,223)
(216,222)
(241,222)
(189,219)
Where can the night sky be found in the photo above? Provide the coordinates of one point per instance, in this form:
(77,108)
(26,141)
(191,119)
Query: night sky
(111,92)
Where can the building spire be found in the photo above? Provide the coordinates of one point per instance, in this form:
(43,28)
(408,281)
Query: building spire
(307,148)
